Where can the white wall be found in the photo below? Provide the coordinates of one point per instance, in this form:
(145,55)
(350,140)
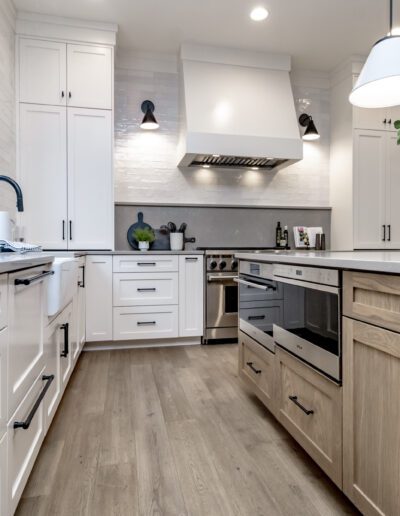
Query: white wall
(7,102)
(145,162)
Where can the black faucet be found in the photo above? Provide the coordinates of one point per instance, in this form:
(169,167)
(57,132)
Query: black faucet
(18,191)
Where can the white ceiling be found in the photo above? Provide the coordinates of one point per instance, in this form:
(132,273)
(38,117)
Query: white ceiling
(319,34)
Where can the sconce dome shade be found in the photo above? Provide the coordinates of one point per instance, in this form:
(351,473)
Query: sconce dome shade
(378,84)
(149,121)
(311,132)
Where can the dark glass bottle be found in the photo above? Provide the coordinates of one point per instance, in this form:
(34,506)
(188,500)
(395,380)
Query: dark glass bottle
(278,235)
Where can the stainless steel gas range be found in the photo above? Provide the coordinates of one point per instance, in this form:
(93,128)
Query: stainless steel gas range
(221,294)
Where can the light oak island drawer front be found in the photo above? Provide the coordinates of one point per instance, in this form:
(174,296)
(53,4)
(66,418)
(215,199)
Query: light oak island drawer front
(145,289)
(309,406)
(374,298)
(153,322)
(147,263)
(256,367)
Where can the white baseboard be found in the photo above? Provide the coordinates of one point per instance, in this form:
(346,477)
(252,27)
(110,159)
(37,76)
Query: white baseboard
(133,344)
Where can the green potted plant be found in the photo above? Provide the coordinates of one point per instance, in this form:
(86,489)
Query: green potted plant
(144,237)
(397,126)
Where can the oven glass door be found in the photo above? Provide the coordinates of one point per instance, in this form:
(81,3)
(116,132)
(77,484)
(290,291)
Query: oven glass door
(222,301)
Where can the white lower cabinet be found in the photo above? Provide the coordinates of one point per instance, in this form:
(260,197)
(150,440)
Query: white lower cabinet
(99,313)
(81,302)
(67,346)
(191,296)
(133,289)
(24,442)
(146,322)
(53,366)
(3,380)
(3,476)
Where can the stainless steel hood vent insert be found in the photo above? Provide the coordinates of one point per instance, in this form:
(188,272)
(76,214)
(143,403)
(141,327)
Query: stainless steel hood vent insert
(236,162)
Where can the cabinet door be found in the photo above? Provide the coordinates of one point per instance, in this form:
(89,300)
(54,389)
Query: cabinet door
(374,119)
(3,476)
(392,191)
(3,380)
(52,346)
(81,306)
(90,179)
(369,189)
(371,412)
(99,310)
(191,296)
(43,174)
(89,76)
(67,344)
(42,72)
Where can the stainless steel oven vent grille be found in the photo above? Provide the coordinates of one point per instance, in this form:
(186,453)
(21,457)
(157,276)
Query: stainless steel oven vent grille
(236,162)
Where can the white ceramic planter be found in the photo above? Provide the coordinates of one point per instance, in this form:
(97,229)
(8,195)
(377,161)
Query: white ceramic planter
(144,246)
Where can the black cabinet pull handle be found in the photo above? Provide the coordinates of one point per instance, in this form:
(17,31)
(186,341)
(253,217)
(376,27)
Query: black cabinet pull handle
(389,121)
(146,323)
(82,283)
(69,94)
(63,229)
(144,264)
(65,328)
(256,317)
(384,233)
(257,371)
(389,232)
(27,423)
(28,281)
(385,121)
(62,94)
(191,259)
(70,229)
(296,402)
(146,289)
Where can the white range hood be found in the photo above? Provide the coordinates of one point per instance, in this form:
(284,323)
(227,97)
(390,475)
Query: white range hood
(238,109)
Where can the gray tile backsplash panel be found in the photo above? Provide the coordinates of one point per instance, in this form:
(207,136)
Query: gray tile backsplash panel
(222,226)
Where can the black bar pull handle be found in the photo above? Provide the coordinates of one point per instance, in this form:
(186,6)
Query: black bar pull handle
(28,281)
(70,229)
(384,233)
(69,94)
(256,317)
(298,404)
(250,364)
(191,259)
(146,323)
(65,328)
(63,229)
(389,232)
(27,423)
(146,289)
(62,94)
(82,283)
(146,264)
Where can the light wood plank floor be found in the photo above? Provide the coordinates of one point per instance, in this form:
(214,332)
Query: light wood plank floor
(171,431)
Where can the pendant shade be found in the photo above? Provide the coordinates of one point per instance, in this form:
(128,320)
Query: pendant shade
(378,85)
(149,121)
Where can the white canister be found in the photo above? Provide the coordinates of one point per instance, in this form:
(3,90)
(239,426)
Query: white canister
(176,241)
(5,226)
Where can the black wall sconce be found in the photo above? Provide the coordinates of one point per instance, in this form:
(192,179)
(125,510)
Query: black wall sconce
(149,121)
(311,132)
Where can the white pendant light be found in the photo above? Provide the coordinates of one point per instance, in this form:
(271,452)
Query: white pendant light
(379,82)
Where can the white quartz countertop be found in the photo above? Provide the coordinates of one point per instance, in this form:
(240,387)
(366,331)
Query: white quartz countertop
(133,252)
(14,261)
(377,261)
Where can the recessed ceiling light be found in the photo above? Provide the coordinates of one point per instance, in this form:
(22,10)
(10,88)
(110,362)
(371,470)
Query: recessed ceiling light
(259,13)
(216,155)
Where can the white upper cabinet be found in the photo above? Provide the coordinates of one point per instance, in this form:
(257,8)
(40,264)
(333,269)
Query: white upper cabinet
(89,78)
(90,189)
(369,189)
(43,174)
(42,72)
(392,192)
(60,74)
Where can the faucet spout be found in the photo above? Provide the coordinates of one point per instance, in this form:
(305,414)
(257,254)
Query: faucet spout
(18,191)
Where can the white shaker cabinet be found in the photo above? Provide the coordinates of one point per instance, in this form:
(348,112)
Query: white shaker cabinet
(392,191)
(89,76)
(191,298)
(3,380)
(3,476)
(68,341)
(42,72)
(99,296)
(42,151)
(52,346)
(90,183)
(369,189)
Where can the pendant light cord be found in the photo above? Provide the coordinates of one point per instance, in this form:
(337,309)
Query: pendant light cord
(391,17)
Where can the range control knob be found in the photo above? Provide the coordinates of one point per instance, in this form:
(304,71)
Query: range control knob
(222,265)
(234,265)
(213,264)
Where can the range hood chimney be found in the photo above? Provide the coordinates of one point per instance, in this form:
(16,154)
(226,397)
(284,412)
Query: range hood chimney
(238,109)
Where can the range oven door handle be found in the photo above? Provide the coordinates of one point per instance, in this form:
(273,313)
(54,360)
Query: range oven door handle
(221,278)
(255,285)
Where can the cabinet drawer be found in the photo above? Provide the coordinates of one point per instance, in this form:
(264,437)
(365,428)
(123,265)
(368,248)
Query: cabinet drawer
(309,406)
(3,301)
(263,317)
(256,368)
(153,322)
(24,445)
(373,298)
(147,263)
(145,289)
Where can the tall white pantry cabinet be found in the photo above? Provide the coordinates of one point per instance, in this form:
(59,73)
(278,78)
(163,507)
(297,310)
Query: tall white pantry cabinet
(65,133)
